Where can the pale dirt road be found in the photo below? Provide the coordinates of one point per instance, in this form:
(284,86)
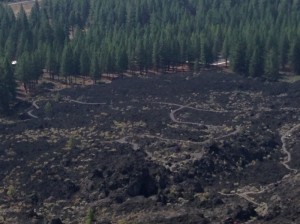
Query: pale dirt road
(22,2)
(284,140)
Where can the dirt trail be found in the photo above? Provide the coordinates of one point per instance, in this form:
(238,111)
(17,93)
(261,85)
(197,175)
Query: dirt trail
(172,139)
(181,107)
(235,132)
(22,2)
(245,194)
(36,106)
(124,140)
(30,113)
(284,140)
(192,108)
(84,103)
(173,118)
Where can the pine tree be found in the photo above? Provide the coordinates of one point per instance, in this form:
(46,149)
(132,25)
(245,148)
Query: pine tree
(66,67)
(22,20)
(128,33)
(272,65)
(95,71)
(7,85)
(9,78)
(283,51)
(84,64)
(256,65)
(34,18)
(10,48)
(23,70)
(295,57)
(50,62)
(238,58)
(37,66)
(226,50)
(155,56)
(122,60)
(196,65)
(76,61)
(48,109)
(206,52)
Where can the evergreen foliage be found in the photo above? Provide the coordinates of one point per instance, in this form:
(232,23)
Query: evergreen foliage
(272,65)
(91,37)
(90,216)
(295,57)
(7,85)
(48,109)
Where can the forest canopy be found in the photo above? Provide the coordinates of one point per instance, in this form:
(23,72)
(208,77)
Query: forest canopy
(91,37)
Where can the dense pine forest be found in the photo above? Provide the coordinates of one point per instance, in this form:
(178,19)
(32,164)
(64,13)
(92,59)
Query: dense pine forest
(69,38)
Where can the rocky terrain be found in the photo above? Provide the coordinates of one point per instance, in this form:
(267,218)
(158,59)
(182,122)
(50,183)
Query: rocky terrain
(204,148)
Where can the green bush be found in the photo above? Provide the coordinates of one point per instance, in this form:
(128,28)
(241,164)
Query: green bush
(57,97)
(90,216)
(71,143)
(48,109)
(11,191)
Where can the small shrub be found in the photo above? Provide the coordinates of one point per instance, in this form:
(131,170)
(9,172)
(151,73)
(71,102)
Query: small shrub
(57,97)
(90,216)
(71,143)
(11,191)
(48,109)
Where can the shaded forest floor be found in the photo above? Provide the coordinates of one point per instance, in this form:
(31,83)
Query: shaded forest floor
(183,148)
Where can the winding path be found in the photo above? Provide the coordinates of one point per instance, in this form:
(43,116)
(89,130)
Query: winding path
(21,2)
(242,193)
(288,157)
(173,118)
(36,106)
(84,103)
(268,187)
(193,108)
(181,107)
(238,130)
(172,140)
(30,112)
